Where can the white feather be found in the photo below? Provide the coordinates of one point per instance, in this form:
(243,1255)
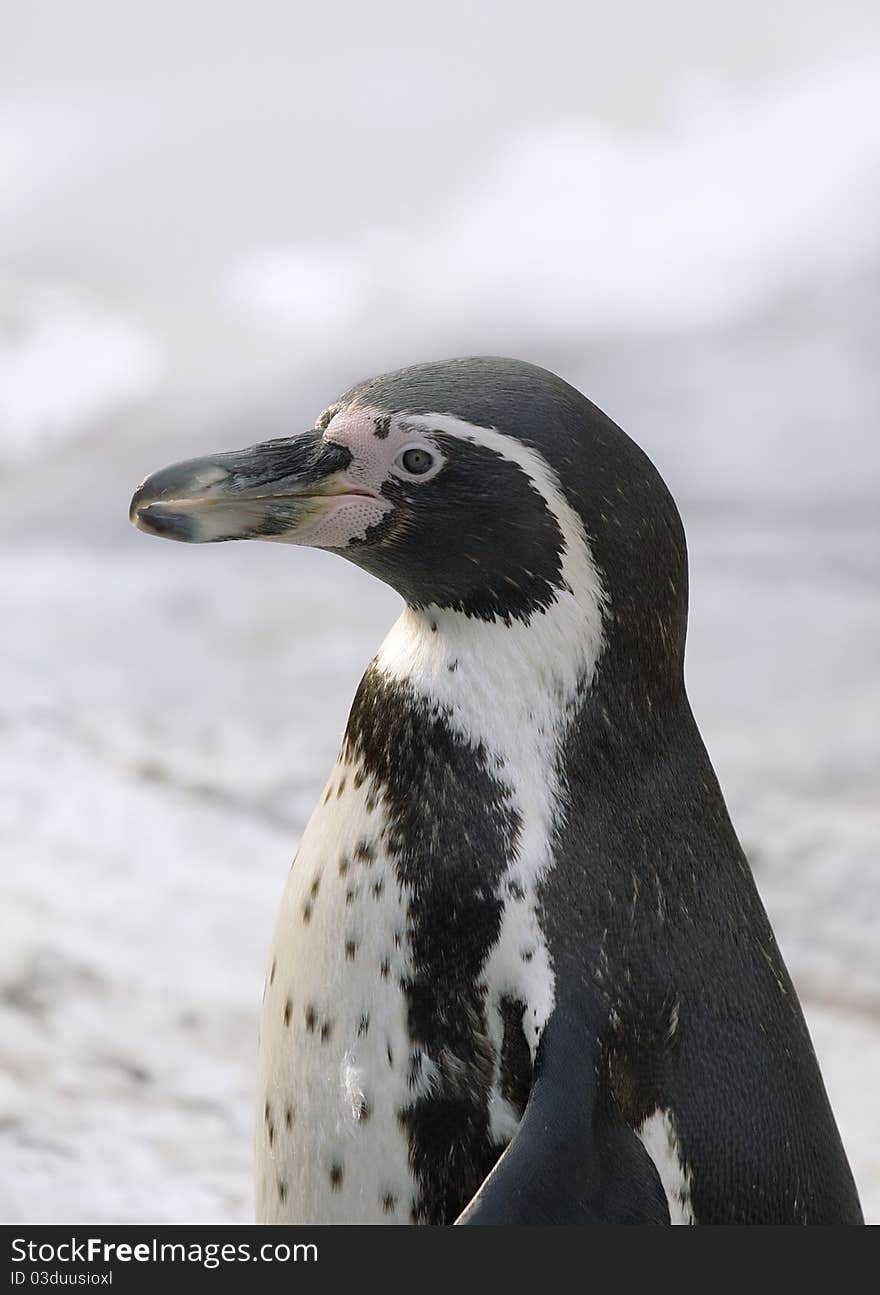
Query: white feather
(660,1139)
(330,1084)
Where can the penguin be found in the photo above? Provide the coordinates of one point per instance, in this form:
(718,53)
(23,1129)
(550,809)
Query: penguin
(521,972)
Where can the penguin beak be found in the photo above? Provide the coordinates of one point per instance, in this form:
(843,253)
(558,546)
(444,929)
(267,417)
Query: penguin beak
(276,490)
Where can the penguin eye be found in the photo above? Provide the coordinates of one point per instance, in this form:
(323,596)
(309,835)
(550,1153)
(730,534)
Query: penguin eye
(416,461)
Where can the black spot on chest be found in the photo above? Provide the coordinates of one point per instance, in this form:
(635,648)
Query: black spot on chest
(450,834)
(516,1057)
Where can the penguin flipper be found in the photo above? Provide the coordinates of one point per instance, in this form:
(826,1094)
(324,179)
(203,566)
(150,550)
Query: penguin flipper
(573,1160)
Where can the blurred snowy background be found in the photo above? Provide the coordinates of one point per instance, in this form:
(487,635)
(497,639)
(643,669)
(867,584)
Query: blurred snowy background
(215,216)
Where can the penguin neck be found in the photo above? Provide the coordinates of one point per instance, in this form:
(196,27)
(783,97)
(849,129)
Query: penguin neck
(510,688)
(522,690)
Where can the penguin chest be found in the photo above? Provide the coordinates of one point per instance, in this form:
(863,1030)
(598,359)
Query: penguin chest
(333,1054)
(396,1044)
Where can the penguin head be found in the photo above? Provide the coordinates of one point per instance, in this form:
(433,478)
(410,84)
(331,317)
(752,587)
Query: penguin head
(473,485)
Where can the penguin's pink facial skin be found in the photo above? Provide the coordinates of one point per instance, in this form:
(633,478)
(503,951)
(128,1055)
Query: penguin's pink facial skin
(339,519)
(382,451)
(380,447)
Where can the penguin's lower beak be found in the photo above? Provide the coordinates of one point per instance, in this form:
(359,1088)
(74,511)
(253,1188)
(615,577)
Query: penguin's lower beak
(276,490)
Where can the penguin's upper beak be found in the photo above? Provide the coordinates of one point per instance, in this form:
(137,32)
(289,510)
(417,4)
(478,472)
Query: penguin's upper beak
(272,491)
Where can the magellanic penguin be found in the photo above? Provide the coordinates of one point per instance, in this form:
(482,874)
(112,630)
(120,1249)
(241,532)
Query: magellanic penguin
(521,972)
